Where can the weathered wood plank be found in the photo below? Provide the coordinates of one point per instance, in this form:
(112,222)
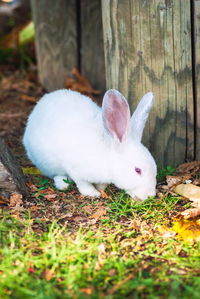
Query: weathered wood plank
(92,50)
(147,46)
(196,15)
(56,40)
(11,176)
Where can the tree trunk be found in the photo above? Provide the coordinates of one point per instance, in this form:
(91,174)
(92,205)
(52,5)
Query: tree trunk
(11,176)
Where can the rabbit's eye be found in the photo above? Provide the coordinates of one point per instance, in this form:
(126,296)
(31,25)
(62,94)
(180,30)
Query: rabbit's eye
(138,170)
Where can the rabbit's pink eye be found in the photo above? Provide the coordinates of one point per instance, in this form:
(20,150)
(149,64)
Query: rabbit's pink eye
(138,170)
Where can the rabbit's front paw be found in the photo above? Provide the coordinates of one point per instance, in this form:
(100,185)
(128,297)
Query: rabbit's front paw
(59,182)
(87,189)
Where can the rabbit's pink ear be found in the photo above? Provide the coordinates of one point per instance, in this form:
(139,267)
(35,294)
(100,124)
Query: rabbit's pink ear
(116,114)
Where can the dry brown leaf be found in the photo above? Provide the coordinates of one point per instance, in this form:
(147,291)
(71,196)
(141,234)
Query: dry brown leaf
(28,98)
(190,167)
(50,197)
(4,198)
(35,208)
(173,180)
(188,190)
(11,115)
(32,187)
(11,41)
(87,291)
(80,83)
(48,274)
(104,194)
(88,209)
(193,193)
(196,182)
(99,213)
(15,200)
(191,213)
(22,85)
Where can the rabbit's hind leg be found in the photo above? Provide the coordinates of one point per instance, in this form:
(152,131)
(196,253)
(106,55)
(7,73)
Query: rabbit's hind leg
(60,182)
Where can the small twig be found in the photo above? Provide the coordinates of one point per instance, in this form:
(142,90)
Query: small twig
(119,284)
(11,115)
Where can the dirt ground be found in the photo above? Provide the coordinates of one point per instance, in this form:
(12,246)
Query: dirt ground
(19,90)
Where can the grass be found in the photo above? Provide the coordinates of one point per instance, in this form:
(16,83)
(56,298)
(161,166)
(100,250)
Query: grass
(115,259)
(152,208)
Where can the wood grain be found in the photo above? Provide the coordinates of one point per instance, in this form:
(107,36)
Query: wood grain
(196,15)
(147,47)
(92,49)
(11,176)
(56,40)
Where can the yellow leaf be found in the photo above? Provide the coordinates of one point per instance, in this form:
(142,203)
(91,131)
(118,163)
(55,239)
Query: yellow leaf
(31,170)
(188,230)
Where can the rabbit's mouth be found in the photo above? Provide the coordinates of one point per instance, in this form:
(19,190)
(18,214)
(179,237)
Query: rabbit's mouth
(138,196)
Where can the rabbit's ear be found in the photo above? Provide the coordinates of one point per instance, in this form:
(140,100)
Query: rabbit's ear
(140,115)
(116,114)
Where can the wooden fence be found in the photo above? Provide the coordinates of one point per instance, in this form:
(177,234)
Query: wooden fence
(149,45)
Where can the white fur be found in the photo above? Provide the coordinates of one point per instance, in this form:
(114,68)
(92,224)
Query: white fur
(65,136)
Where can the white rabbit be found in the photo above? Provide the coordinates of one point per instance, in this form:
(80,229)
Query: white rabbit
(69,136)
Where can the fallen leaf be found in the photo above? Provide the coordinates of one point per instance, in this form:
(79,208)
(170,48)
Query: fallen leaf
(15,200)
(193,193)
(80,83)
(99,213)
(191,213)
(190,167)
(188,190)
(31,170)
(29,98)
(18,36)
(88,209)
(104,194)
(11,41)
(87,291)
(4,198)
(32,187)
(48,274)
(34,208)
(196,182)
(50,197)
(188,230)
(173,180)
